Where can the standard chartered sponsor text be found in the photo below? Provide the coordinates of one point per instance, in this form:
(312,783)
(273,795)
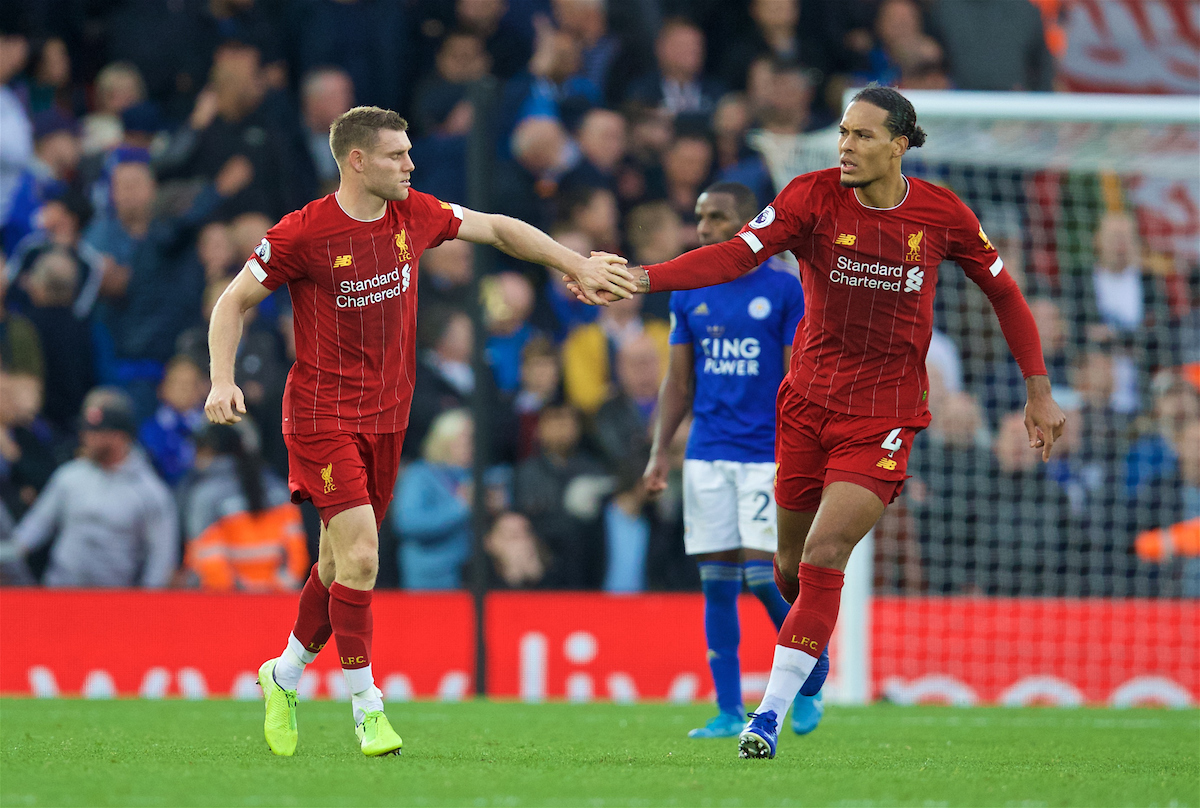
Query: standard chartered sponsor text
(394,283)
(882,271)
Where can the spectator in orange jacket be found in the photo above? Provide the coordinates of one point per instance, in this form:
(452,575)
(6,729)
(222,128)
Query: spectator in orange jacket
(243,532)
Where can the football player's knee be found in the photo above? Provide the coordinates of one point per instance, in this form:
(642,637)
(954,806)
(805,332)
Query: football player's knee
(326,569)
(827,551)
(788,559)
(361,563)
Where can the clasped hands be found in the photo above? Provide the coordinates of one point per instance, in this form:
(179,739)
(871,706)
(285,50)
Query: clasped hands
(601,278)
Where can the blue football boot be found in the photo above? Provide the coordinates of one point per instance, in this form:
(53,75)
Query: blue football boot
(807,712)
(809,705)
(759,737)
(722,725)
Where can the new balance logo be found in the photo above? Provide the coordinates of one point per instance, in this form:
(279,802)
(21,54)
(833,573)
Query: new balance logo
(916,277)
(342,261)
(846,240)
(701,309)
(887,464)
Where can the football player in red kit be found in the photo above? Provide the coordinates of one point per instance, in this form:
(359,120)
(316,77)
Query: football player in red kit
(350,261)
(870,241)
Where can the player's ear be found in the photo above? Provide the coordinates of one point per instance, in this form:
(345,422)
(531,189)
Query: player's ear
(899,146)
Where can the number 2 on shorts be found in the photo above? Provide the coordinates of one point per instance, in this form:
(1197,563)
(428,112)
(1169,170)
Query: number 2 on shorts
(764,499)
(893,442)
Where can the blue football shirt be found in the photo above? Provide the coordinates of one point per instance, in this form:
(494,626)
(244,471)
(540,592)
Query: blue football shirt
(738,331)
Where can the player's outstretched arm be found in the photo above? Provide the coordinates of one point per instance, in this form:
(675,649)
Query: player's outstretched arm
(705,266)
(597,274)
(225,399)
(674,399)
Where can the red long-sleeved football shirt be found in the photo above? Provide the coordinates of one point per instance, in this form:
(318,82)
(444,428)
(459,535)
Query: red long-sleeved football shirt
(869,277)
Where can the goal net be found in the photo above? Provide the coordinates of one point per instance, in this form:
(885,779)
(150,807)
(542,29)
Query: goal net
(997,578)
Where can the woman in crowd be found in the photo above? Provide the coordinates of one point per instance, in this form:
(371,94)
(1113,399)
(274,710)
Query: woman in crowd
(432,511)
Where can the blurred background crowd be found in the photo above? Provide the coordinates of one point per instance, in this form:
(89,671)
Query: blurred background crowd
(146,147)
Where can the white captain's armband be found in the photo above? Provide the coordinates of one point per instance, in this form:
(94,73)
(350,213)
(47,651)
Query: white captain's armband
(752,241)
(453,208)
(256,270)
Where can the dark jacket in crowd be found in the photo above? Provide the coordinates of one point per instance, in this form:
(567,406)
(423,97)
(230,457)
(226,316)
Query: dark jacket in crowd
(619,429)
(68,361)
(277,188)
(572,535)
(165,288)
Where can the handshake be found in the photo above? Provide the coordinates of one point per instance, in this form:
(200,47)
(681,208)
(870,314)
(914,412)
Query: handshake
(603,277)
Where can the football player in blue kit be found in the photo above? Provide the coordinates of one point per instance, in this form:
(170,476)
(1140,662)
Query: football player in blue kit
(730,348)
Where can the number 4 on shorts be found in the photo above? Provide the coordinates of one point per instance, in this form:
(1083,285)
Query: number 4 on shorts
(893,442)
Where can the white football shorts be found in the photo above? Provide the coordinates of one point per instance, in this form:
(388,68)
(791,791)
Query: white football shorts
(728,506)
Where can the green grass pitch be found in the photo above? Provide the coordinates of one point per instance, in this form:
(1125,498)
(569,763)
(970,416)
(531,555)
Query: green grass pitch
(147,753)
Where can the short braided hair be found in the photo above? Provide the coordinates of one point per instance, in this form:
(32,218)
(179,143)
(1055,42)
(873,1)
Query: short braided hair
(744,200)
(901,118)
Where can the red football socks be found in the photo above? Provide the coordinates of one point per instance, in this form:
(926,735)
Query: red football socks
(312,627)
(350,616)
(809,624)
(788,587)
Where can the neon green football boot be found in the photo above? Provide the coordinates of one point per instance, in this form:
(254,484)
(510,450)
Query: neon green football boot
(280,725)
(376,735)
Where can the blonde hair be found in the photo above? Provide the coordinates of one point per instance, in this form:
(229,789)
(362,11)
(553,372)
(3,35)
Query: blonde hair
(446,429)
(114,72)
(57,273)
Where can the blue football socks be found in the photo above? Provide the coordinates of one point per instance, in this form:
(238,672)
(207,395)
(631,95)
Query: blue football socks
(760,579)
(721,583)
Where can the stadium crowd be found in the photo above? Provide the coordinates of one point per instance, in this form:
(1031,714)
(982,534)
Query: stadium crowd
(147,146)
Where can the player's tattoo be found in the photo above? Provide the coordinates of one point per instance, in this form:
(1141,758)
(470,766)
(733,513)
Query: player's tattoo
(643,281)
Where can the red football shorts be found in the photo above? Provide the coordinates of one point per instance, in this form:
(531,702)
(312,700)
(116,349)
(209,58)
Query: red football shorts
(342,470)
(815,446)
